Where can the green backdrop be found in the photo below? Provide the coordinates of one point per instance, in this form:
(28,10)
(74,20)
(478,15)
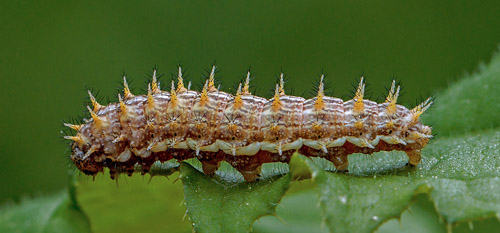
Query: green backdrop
(51,51)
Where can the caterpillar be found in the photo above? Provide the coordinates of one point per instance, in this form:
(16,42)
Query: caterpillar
(244,130)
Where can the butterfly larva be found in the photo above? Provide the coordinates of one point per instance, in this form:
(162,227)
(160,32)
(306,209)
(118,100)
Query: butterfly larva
(244,130)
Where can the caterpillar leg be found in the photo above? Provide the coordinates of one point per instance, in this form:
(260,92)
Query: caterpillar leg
(209,167)
(340,161)
(248,166)
(252,175)
(210,162)
(414,157)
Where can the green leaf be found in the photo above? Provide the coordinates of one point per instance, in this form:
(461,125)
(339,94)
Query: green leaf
(135,204)
(56,213)
(465,176)
(216,205)
(297,213)
(461,176)
(470,105)
(359,204)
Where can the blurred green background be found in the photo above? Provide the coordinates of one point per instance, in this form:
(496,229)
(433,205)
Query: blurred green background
(51,51)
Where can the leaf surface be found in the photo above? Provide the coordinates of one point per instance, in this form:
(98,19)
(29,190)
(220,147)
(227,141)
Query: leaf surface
(216,205)
(51,214)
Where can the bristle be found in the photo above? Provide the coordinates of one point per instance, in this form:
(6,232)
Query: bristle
(320,104)
(96,106)
(96,118)
(180,82)
(89,152)
(246,87)
(282,85)
(238,103)
(358,98)
(74,138)
(276,106)
(173,95)
(75,127)
(419,109)
(392,99)
(150,101)
(391,92)
(123,107)
(211,80)
(77,139)
(204,93)
(119,139)
(154,84)
(126,91)
(323,148)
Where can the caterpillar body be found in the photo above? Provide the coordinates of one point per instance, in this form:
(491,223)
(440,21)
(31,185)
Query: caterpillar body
(244,130)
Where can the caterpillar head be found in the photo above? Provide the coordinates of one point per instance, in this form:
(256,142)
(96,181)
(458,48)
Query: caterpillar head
(418,133)
(83,162)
